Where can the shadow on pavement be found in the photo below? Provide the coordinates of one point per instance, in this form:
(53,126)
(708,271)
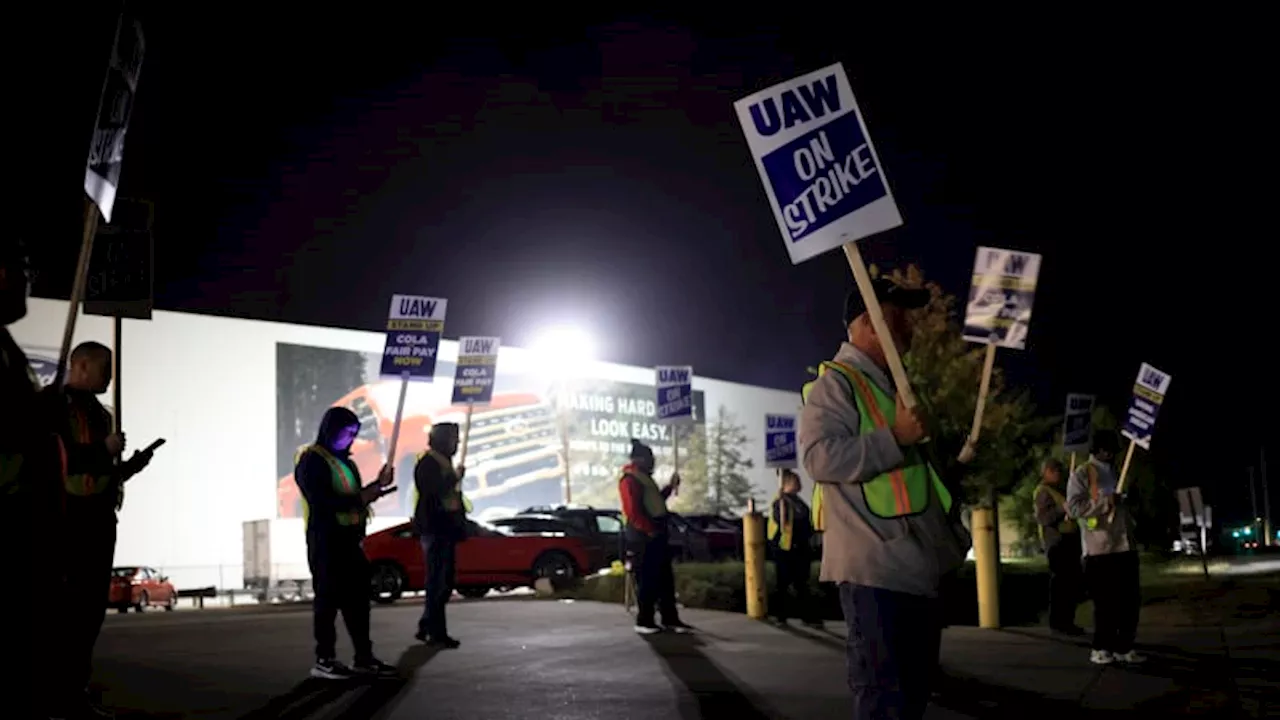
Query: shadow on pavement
(305,699)
(363,699)
(383,695)
(822,637)
(715,694)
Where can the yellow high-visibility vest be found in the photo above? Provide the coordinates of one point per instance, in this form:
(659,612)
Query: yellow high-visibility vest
(898,492)
(1066,526)
(782,531)
(345,483)
(655,506)
(451,478)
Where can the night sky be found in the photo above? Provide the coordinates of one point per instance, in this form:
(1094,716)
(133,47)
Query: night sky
(591,171)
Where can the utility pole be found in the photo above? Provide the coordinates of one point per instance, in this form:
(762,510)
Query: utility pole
(1253,500)
(1267,528)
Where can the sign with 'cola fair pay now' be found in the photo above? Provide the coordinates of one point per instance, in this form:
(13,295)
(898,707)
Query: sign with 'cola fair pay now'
(414,326)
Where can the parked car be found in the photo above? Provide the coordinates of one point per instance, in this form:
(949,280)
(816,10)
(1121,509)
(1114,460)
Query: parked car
(601,528)
(140,588)
(689,543)
(491,558)
(724,535)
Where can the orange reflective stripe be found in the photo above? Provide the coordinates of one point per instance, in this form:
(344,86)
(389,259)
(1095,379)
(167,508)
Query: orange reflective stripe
(901,500)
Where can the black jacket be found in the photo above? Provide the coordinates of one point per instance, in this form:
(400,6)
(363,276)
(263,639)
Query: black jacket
(87,455)
(315,482)
(430,516)
(29,464)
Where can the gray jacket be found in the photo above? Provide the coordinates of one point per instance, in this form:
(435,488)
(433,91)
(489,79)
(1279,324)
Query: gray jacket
(906,554)
(1109,537)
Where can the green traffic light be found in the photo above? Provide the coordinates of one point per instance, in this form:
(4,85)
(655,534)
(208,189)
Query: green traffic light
(1248,531)
(1235,533)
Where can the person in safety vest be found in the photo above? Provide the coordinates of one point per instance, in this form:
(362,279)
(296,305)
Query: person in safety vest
(890,533)
(644,510)
(1060,539)
(93,486)
(790,534)
(440,517)
(1110,553)
(336,508)
(30,508)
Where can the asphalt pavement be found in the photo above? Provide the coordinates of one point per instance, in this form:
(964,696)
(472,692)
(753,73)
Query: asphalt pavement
(525,658)
(520,658)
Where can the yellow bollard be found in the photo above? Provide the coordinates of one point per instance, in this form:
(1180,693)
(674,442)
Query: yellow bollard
(986,559)
(753,552)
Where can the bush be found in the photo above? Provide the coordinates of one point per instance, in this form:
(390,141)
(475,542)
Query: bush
(1024,591)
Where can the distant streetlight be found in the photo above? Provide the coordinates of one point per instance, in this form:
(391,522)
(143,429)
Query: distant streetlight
(563,354)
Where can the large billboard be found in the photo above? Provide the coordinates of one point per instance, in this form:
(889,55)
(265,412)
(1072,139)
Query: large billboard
(515,453)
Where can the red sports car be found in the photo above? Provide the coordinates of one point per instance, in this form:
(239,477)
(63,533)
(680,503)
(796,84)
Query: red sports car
(490,558)
(140,588)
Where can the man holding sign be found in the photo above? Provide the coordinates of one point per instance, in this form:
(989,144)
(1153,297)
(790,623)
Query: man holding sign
(889,539)
(1110,552)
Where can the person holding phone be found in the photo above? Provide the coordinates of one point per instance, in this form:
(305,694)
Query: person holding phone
(93,486)
(335,508)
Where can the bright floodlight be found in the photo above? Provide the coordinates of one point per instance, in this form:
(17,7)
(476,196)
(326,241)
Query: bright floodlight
(564,351)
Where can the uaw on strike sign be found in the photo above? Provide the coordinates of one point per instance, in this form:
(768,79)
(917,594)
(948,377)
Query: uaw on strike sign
(780,441)
(414,327)
(814,155)
(675,393)
(1148,395)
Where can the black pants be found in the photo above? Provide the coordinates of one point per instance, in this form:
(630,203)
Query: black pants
(655,582)
(89,552)
(1066,579)
(1113,583)
(340,576)
(440,555)
(892,650)
(792,569)
(28,688)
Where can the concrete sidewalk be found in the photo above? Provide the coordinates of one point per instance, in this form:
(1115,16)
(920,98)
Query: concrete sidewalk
(527,658)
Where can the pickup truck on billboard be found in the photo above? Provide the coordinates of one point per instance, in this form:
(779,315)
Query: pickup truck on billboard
(513,452)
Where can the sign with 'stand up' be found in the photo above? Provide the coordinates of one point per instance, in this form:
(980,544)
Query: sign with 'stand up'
(414,327)
(476,371)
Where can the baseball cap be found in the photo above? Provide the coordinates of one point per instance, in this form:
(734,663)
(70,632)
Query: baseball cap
(887,292)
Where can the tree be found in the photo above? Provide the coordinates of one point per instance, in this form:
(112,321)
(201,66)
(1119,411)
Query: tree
(725,462)
(694,497)
(945,369)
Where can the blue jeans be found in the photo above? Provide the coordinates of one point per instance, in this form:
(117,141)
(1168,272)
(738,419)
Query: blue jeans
(892,650)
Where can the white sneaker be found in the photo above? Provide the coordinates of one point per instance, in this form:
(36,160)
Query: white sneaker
(1101,657)
(1131,658)
(647,629)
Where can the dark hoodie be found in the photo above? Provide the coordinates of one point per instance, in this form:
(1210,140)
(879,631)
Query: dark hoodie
(315,480)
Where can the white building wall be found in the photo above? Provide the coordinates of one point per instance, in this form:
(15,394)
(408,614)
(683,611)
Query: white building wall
(208,386)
